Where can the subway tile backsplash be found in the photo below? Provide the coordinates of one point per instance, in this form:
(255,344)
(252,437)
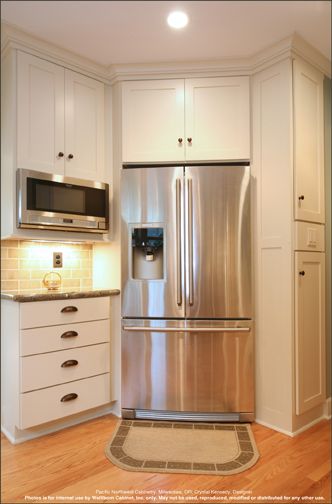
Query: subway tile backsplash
(24,264)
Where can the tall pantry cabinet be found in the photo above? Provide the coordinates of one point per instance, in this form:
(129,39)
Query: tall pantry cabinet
(288,170)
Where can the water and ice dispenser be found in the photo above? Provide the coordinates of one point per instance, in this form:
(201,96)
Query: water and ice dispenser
(147,249)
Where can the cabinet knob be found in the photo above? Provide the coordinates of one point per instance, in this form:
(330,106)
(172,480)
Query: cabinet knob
(70,156)
(60,154)
(301,197)
(69,309)
(189,140)
(69,363)
(69,397)
(180,140)
(302,273)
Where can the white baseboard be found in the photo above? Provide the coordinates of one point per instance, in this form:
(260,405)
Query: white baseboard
(290,433)
(8,435)
(327,408)
(42,430)
(307,426)
(273,427)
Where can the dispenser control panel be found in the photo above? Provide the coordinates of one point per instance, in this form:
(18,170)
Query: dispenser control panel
(147,248)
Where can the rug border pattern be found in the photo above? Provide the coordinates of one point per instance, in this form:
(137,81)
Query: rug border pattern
(247,457)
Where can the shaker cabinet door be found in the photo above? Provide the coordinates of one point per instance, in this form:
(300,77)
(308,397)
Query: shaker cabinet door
(309,330)
(40,115)
(153,121)
(217,119)
(308,143)
(84,132)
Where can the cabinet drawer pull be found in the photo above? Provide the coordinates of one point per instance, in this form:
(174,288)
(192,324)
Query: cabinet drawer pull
(302,273)
(301,197)
(180,140)
(70,156)
(69,334)
(69,363)
(189,140)
(69,309)
(60,154)
(69,397)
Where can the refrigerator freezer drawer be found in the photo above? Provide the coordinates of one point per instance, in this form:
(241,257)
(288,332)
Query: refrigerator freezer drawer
(207,368)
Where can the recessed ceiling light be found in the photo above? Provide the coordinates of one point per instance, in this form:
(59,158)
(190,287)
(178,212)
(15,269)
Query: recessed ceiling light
(177,19)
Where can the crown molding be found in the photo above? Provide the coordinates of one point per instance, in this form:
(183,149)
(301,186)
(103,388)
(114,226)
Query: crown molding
(288,47)
(14,38)
(302,48)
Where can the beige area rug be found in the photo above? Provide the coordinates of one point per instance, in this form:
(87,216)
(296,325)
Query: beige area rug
(185,447)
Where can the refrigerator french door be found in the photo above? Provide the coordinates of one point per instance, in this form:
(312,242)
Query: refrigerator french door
(187,342)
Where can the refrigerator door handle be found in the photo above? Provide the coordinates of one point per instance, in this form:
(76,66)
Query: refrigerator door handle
(185,329)
(190,242)
(178,243)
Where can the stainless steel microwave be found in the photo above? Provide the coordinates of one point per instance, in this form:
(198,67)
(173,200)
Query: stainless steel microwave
(48,201)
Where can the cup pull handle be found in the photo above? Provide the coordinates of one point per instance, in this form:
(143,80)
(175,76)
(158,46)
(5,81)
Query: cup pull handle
(69,363)
(69,397)
(69,334)
(69,309)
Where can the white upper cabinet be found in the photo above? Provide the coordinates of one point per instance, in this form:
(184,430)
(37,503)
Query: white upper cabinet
(217,118)
(60,120)
(40,115)
(84,126)
(308,142)
(153,121)
(191,119)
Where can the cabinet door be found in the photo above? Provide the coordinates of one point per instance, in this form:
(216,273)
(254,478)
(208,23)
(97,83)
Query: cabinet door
(153,121)
(308,143)
(309,330)
(217,118)
(40,114)
(84,127)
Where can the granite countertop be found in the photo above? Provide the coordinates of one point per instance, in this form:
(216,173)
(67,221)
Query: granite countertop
(45,295)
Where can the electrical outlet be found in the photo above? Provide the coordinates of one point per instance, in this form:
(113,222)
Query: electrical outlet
(57,259)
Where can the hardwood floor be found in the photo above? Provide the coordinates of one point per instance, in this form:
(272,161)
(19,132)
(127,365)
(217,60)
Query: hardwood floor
(70,466)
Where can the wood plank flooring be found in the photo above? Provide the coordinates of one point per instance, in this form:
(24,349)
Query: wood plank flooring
(70,466)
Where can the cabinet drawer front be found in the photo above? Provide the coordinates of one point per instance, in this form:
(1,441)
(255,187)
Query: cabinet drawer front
(309,236)
(64,311)
(53,338)
(45,405)
(39,371)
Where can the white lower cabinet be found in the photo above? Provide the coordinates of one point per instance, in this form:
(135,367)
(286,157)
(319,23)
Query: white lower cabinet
(309,330)
(52,369)
(57,402)
(46,370)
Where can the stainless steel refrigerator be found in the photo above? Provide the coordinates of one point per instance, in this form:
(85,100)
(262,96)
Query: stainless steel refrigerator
(187,339)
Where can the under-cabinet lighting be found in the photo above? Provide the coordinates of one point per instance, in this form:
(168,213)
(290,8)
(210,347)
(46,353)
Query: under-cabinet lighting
(177,19)
(59,241)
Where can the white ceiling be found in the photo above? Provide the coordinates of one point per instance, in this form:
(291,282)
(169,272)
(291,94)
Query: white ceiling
(110,32)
